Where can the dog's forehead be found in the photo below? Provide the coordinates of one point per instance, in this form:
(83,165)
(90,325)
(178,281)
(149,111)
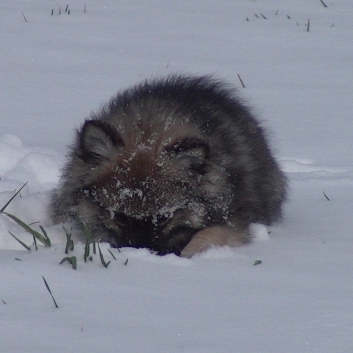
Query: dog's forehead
(141,169)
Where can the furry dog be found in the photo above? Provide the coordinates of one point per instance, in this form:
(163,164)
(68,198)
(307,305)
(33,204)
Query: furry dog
(174,165)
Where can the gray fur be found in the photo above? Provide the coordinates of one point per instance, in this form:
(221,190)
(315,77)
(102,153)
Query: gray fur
(171,164)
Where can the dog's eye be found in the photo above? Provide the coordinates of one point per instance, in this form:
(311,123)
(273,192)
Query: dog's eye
(162,220)
(122,219)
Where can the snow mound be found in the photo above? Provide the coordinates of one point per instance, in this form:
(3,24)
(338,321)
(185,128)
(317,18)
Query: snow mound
(40,169)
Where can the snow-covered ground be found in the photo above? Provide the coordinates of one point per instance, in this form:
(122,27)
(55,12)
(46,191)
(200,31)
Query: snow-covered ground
(55,69)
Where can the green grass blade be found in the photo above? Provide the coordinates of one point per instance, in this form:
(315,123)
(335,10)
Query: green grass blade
(88,236)
(64,259)
(87,251)
(8,202)
(46,284)
(67,247)
(105,264)
(21,242)
(72,260)
(112,254)
(35,243)
(45,235)
(69,242)
(29,230)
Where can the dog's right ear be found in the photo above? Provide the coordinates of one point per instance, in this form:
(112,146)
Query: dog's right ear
(97,139)
(191,153)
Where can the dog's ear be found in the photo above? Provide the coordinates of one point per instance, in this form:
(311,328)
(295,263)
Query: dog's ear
(97,139)
(191,153)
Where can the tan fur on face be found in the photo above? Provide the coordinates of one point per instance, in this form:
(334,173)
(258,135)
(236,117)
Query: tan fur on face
(141,187)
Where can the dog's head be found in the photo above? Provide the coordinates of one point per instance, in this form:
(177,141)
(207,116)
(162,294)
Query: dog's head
(146,189)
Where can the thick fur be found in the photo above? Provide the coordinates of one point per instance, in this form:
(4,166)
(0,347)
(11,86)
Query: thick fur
(174,165)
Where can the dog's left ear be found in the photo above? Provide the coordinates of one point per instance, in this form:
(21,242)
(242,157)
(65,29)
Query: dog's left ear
(191,153)
(97,139)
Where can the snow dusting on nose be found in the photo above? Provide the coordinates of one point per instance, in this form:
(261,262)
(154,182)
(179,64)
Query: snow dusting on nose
(128,193)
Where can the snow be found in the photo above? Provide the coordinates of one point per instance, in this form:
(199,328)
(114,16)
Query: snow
(56,69)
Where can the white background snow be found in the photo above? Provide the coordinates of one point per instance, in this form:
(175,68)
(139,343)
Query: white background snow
(55,69)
